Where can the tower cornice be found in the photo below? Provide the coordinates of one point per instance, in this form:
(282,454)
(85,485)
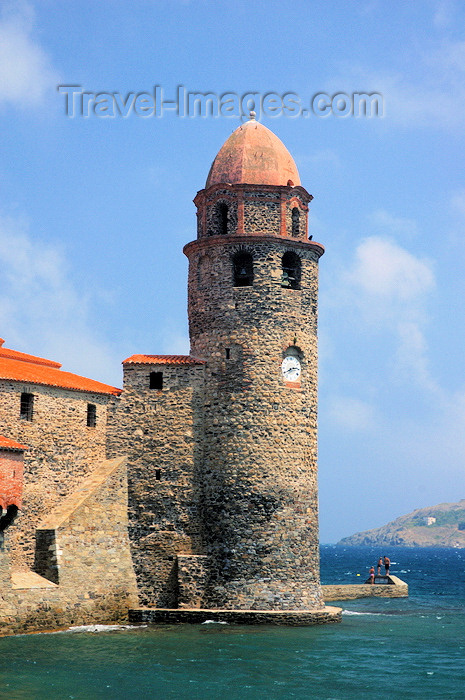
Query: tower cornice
(234,240)
(244,187)
(244,209)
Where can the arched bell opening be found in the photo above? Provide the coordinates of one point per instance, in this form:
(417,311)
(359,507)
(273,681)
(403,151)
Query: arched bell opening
(242,270)
(291,271)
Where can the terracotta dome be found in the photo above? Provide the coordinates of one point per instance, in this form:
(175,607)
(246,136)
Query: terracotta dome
(255,156)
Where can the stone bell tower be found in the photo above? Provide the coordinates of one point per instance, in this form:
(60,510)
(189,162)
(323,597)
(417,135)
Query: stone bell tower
(253,284)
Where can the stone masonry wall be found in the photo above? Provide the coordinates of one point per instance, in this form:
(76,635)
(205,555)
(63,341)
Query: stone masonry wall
(192,578)
(160,432)
(88,559)
(62,450)
(288,618)
(251,210)
(262,213)
(332,592)
(260,520)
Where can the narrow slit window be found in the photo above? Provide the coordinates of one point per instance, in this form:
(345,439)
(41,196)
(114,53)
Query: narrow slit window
(91,415)
(295,222)
(156,380)
(223,218)
(243,270)
(227,353)
(157,474)
(26,406)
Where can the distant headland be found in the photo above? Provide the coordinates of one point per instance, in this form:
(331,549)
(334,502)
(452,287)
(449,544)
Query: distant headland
(437,526)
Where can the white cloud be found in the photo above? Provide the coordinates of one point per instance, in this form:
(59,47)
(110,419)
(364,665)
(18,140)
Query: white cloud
(26,71)
(421,101)
(444,15)
(174,342)
(458,203)
(351,413)
(324,159)
(411,357)
(394,225)
(448,60)
(382,294)
(383,269)
(454,224)
(42,312)
(391,286)
(430,92)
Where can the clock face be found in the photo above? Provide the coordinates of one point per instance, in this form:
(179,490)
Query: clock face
(291,368)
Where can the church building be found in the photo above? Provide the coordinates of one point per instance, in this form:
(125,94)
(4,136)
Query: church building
(213,455)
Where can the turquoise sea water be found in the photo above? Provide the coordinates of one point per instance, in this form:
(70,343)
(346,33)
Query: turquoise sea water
(398,648)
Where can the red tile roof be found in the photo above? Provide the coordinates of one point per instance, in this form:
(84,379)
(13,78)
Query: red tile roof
(7,444)
(19,367)
(15,355)
(163,360)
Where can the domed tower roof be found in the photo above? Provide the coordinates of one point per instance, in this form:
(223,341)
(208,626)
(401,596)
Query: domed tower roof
(253,155)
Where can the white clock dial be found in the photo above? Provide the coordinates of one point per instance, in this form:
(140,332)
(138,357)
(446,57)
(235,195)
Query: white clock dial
(291,368)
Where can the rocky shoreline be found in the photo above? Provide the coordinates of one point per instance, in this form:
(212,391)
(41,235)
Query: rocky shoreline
(436,526)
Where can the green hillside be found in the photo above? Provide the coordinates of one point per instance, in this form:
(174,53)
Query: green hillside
(437,526)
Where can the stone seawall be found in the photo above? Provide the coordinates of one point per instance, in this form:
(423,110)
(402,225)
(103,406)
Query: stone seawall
(289,618)
(396,589)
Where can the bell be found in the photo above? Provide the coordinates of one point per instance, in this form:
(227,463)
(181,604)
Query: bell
(285,280)
(242,271)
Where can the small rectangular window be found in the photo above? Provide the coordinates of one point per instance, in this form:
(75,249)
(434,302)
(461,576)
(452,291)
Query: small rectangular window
(156,380)
(227,353)
(157,474)
(27,406)
(91,415)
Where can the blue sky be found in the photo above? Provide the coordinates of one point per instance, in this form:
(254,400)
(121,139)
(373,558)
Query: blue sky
(94,212)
